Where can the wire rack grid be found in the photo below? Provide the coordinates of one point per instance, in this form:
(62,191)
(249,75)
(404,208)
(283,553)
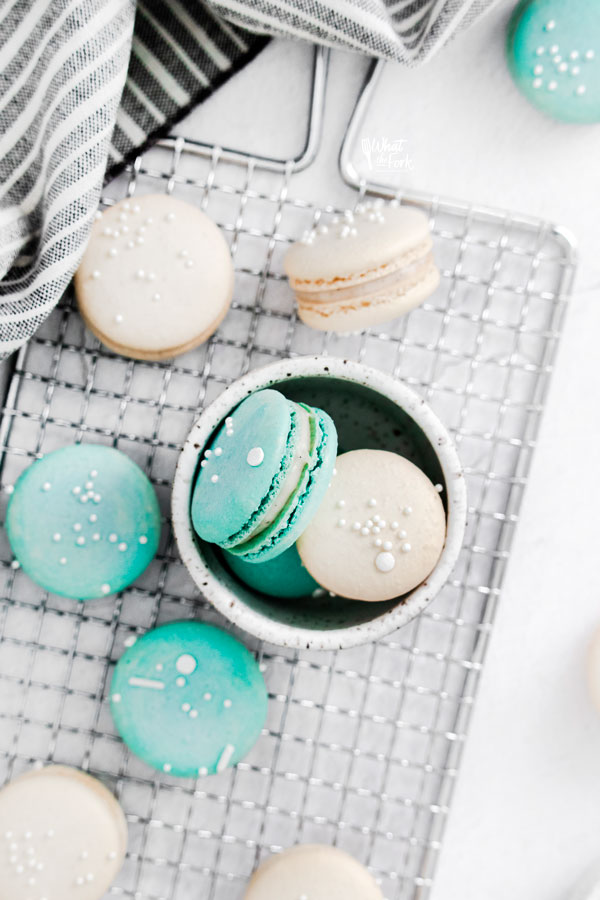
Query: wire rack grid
(361,747)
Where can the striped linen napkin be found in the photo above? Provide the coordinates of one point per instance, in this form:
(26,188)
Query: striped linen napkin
(85,84)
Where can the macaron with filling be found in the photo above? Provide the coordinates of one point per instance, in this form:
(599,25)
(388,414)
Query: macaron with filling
(285,576)
(367,268)
(263,476)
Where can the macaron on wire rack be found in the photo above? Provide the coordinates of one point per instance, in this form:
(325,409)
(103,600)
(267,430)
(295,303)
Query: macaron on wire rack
(361,747)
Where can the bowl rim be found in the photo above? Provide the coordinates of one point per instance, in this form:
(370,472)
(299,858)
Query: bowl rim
(230,604)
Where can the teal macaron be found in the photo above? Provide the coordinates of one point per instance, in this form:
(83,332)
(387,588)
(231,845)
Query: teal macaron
(83,521)
(285,576)
(263,476)
(553,51)
(188,699)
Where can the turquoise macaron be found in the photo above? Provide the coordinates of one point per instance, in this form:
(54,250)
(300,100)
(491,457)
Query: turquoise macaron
(83,521)
(553,51)
(188,699)
(284,576)
(263,476)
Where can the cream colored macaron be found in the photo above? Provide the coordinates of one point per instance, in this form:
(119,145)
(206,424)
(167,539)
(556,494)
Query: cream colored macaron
(369,267)
(380,530)
(63,836)
(312,872)
(156,279)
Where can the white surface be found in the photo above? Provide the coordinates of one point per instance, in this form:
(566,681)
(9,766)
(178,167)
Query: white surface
(526,817)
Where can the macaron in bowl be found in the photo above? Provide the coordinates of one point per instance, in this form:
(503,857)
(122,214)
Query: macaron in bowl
(371,410)
(263,476)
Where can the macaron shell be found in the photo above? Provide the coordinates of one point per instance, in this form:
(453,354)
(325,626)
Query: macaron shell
(156,278)
(83,521)
(310,495)
(222,508)
(335,261)
(64,836)
(553,51)
(284,576)
(380,530)
(188,699)
(312,872)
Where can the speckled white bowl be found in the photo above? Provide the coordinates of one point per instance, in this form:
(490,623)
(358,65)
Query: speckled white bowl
(370,409)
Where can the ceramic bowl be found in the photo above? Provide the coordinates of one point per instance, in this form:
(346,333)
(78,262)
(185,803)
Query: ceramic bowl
(370,410)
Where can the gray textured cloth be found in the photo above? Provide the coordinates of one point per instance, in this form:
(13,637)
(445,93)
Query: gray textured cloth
(84,84)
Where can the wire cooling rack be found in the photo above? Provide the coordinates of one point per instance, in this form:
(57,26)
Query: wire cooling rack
(361,747)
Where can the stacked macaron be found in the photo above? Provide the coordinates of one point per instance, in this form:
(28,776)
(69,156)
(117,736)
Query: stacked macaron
(294,519)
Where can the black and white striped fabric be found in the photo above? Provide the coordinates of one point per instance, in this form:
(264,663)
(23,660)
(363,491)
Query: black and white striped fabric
(85,84)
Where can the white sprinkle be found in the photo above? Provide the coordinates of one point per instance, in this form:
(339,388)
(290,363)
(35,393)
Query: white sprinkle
(378,542)
(372,502)
(402,534)
(365,531)
(202,771)
(93,517)
(118,318)
(214,478)
(407,510)
(575,70)
(227,704)
(116,698)
(130,245)
(208,453)
(107,231)
(77,526)
(136,208)
(385,561)
(186,664)
(186,707)
(537,83)
(143,539)
(369,523)
(84,498)
(150,683)
(193,714)
(96,537)
(439,488)
(341,504)
(122,547)
(208,696)
(554,48)
(180,682)
(15,564)
(552,86)
(203,463)
(122,217)
(229,432)
(322,229)
(382,523)
(574,54)
(229,420)
(63,560)
(182,254)
(113,538)
(159,667)
(95,274)
(406,547)
(581,89)
(80,541)
(387,545)
(540,51)
(189,264)
(113,251)
(139,240)
(80,880)
(225,757)
(156,297)
(111,855)
(218,451)
(589,54)
(255,456)
(167,767)
(9,489)
(46,486)
(149,220)
(117,233)
(341,523)
(563,67)
(56,536)
(538,69)
(376,529)
(140,273)
(356,526)
(557,58)
(151,276)
(97,498)
(550,25)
